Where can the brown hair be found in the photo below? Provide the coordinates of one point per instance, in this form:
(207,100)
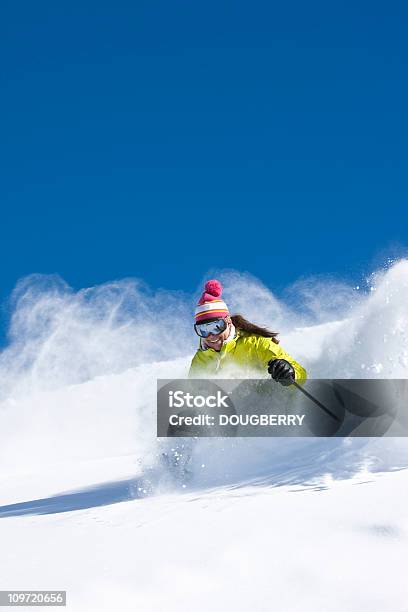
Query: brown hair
(241,323)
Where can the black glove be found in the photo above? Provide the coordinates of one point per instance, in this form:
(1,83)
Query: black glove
(282,371)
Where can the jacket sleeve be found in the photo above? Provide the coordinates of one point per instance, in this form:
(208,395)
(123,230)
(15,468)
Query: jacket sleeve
(267,350)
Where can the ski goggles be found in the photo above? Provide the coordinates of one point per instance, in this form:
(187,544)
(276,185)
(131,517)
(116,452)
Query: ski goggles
(212,327)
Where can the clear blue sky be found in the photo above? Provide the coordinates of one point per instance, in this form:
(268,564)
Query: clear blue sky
(163,139)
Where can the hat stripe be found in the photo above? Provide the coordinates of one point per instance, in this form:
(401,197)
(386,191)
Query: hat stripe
(206,312)
(216,314)
(210,306)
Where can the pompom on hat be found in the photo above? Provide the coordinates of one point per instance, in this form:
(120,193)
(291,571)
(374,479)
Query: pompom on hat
(210,305)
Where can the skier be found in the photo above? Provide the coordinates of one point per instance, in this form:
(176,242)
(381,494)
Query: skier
(230,343)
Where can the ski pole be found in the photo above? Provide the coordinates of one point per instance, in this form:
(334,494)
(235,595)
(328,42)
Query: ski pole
(316,401)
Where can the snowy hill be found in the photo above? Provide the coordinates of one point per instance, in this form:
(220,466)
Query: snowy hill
(88,506)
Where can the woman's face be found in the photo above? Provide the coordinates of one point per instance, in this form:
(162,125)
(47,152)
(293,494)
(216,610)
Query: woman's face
(215,341)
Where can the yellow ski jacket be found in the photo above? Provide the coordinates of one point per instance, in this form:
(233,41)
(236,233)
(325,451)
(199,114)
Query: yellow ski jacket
(247,353)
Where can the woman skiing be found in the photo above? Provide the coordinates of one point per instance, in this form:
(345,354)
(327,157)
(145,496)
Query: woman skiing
(231,344)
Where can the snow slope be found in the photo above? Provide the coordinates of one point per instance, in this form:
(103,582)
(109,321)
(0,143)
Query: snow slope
(87,506)
(339,547)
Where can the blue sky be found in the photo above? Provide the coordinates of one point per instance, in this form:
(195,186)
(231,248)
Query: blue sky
(164,139)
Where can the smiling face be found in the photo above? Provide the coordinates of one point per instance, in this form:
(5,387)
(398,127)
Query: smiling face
(215,341)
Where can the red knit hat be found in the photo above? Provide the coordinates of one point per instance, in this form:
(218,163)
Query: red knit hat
(210,306)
